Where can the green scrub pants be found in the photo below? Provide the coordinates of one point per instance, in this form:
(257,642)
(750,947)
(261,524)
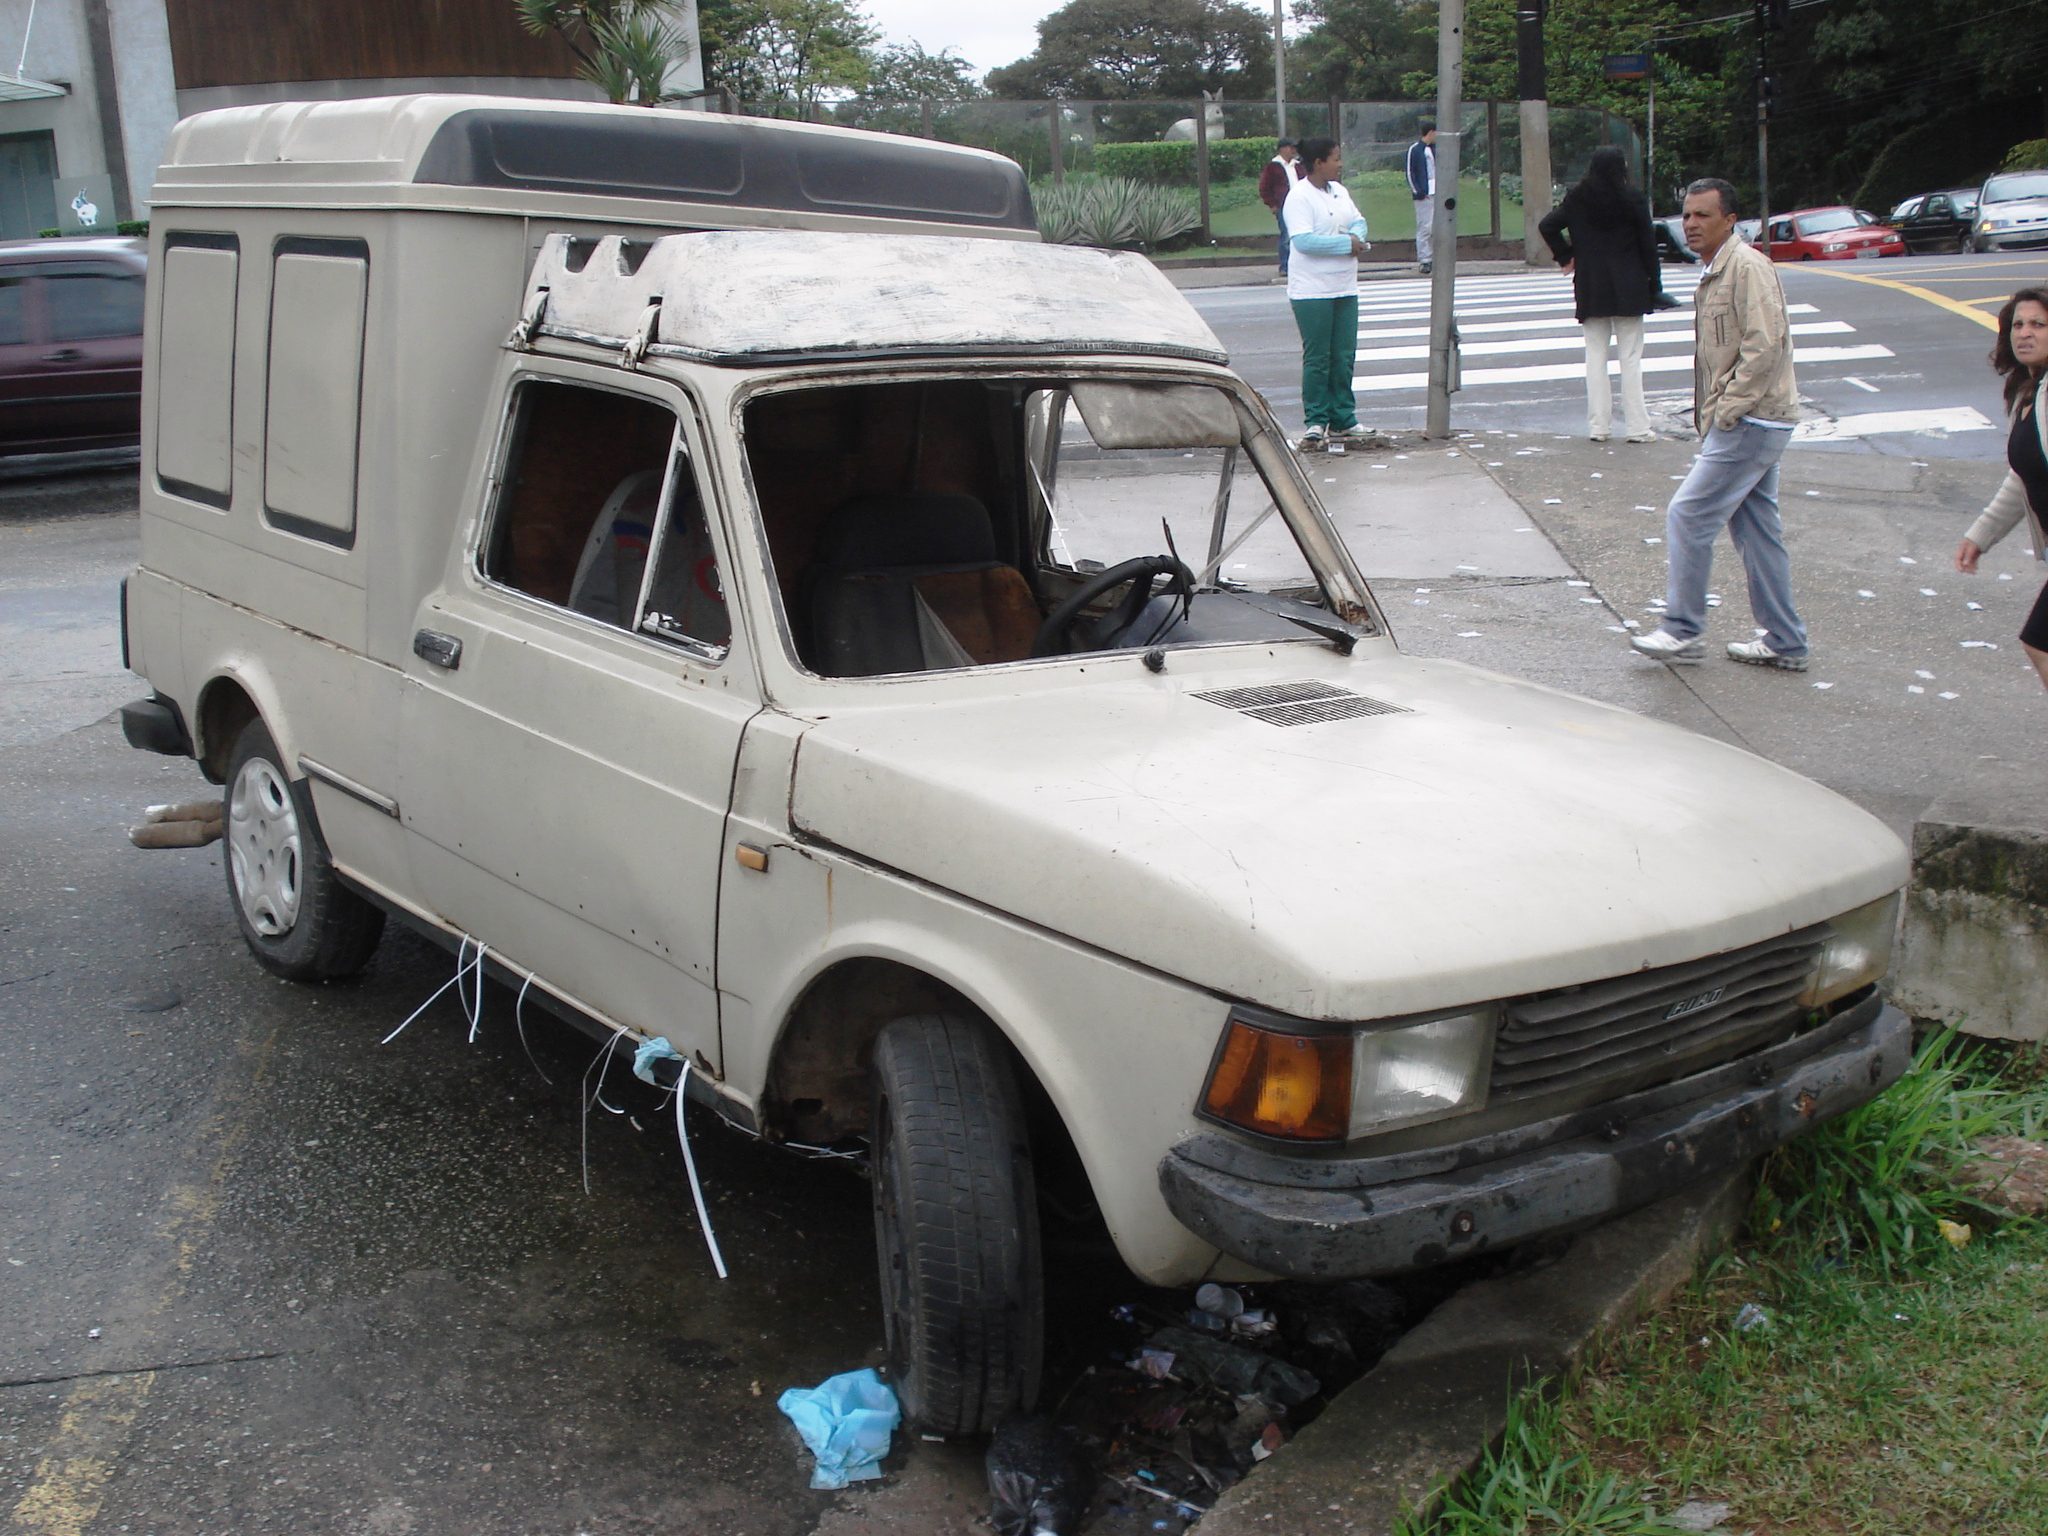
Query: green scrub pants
(1329,351)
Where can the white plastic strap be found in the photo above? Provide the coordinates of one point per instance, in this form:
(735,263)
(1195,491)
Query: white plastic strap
(690,1166)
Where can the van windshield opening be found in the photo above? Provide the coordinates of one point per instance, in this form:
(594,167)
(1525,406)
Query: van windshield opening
(931,525)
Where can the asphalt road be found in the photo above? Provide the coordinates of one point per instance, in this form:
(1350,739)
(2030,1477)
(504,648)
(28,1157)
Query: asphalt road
(1937,360)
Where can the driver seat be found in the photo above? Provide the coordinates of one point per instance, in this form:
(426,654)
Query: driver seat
(910,582)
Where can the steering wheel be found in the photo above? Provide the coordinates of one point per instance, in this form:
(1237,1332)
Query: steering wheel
(1139,575)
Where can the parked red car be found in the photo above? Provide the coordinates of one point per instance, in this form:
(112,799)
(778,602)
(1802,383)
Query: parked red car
(70,344)
(1832,234)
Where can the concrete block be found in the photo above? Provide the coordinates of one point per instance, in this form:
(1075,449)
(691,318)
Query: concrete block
(1973,946)
(1426,1413)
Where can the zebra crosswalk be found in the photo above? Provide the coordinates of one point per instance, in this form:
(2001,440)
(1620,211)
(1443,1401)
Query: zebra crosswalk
(1520,329)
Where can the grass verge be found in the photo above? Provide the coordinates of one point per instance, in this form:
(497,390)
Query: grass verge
(1854,1367)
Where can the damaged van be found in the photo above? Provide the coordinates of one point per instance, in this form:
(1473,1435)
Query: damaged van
(736,580)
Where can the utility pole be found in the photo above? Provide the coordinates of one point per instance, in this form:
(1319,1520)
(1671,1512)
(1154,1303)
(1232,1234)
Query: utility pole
(1535,94)
(1443,328)
(1279,73)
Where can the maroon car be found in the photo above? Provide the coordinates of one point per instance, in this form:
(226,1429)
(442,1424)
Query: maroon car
(70,344)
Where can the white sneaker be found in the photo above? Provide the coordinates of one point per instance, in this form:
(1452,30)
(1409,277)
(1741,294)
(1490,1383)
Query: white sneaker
(1662,645)
(1758,654)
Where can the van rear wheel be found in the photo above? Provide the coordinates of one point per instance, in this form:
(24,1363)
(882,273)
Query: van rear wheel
(299,920)
(956,1225)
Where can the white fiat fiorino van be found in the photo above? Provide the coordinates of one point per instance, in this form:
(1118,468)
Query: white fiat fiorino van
(735,575)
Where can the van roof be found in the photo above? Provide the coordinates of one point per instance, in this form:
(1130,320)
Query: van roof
(492,154)
(761,296)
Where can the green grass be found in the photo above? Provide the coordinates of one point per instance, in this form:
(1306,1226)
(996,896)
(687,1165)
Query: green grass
(1382,196)
(1899,1384)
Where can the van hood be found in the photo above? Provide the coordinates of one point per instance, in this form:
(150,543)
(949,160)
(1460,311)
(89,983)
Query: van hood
(1481,838)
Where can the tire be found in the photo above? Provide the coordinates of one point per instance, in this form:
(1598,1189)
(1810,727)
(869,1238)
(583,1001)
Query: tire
(297,917)
(956,1225)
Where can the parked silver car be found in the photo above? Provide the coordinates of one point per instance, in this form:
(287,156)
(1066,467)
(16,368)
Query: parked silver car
(2012,214)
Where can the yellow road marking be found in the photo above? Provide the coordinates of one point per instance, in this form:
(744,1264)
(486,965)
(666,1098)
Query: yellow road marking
(1939,300)
(69,1484)
(64,1495)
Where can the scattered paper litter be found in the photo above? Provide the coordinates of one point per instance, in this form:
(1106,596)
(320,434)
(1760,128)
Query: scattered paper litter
(1823,685)
(1946,695)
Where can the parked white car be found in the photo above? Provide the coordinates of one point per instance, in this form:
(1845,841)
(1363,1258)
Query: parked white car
(737,578)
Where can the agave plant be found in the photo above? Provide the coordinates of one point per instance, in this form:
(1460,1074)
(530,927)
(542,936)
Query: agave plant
(1113,212)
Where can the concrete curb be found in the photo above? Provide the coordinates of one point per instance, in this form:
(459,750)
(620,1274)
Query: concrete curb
(1425,1415)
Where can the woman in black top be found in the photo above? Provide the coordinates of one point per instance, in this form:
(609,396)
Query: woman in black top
(1600,235)
(2022,356)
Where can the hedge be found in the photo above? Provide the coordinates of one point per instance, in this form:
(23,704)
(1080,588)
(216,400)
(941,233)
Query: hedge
(1173,164)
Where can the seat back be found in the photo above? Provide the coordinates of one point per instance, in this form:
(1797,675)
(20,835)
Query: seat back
(910,582)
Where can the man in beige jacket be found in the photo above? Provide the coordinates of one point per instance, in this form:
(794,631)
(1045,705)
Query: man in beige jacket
(1745,405)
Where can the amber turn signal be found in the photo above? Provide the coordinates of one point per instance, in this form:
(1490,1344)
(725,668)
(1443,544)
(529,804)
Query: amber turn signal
(1296,1086)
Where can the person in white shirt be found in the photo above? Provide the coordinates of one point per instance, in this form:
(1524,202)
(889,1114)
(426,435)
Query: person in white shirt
(1327,235)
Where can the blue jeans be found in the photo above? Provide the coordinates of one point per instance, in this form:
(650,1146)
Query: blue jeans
(1733,484)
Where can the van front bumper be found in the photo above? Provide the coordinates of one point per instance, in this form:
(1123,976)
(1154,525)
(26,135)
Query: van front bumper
(1348,1217)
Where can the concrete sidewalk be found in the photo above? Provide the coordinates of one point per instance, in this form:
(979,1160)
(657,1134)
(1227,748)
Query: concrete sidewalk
(1532,554)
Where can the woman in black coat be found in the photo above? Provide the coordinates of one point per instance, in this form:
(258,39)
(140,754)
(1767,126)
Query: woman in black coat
(1601,236)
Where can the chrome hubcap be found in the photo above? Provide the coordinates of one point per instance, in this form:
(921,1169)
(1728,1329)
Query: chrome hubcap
(263,848)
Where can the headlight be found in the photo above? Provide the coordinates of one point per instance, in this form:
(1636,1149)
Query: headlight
(1857,952)
(1302,1084)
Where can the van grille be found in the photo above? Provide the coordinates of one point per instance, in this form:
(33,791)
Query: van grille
(1299,703)
(1638,1030)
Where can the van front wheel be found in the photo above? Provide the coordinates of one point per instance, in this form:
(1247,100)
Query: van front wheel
(300,921)
(956,1225)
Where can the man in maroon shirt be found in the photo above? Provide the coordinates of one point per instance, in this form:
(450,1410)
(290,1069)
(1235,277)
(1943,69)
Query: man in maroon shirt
(1276,180)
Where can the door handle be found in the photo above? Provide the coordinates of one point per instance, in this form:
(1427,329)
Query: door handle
(63,355)
(437,649)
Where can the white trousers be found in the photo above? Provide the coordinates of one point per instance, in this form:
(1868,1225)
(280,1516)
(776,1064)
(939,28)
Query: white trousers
(1627,333)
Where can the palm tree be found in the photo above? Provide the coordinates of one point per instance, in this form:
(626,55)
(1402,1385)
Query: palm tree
(623,47)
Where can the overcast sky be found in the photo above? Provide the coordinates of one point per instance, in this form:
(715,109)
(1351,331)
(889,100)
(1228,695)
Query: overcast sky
(986,33)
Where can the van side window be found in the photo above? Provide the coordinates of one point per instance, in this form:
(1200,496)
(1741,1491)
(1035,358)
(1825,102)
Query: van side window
(579,513)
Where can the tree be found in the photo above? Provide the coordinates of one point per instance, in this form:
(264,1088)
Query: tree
(1120,49)
(623,47)
(1359,50)
(784,56)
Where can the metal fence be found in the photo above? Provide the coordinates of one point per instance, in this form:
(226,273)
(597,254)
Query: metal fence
(1053,140)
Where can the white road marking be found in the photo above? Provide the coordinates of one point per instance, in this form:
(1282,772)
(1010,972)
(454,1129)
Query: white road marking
(1552,371)
(1577,343)
(1959,418)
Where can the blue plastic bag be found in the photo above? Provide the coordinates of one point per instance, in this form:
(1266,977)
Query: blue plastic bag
(846,1422)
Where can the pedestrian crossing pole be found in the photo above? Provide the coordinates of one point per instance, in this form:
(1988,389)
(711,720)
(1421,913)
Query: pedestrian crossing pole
(1443,274)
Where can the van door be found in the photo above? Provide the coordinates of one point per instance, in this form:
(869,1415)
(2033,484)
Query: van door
(575,703)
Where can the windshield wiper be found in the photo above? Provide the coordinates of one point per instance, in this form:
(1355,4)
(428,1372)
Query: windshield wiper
(1344,637)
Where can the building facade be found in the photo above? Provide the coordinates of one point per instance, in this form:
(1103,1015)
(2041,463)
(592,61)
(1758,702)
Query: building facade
(90,89)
